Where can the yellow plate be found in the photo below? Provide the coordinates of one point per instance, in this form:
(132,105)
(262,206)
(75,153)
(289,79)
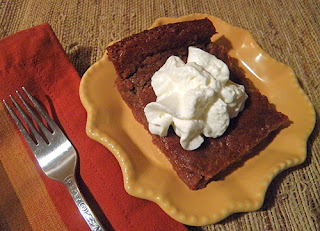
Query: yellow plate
(147,173)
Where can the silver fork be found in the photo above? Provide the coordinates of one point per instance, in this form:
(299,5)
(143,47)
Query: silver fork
(54,153)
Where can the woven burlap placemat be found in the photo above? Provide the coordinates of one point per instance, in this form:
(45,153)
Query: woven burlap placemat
(287,30)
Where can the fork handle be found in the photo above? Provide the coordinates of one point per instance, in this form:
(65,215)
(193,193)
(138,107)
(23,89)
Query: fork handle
(86,212)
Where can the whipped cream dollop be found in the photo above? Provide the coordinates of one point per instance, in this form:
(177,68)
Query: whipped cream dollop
(196,98)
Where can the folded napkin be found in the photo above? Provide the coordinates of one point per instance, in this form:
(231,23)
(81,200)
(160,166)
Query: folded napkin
(29,200)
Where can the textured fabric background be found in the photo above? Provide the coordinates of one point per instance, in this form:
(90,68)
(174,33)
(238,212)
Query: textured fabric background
(287,30)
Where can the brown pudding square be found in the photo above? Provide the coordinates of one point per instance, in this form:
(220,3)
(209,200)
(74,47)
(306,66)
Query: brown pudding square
(138,57)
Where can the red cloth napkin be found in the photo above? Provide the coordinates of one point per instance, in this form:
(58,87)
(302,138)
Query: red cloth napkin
(35,59)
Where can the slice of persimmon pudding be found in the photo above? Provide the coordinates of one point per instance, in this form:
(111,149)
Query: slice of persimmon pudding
(193,99)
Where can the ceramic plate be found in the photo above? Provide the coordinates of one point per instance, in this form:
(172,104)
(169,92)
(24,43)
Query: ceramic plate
(148,174)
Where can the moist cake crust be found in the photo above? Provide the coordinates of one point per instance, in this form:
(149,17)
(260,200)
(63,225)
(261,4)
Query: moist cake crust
(139,56)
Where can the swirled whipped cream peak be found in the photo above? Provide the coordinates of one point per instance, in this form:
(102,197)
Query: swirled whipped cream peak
(196,98)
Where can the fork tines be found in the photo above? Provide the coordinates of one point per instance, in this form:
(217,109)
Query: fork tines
(35,133)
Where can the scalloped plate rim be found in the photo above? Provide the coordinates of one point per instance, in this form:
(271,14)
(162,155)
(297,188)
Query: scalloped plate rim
(103,138)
